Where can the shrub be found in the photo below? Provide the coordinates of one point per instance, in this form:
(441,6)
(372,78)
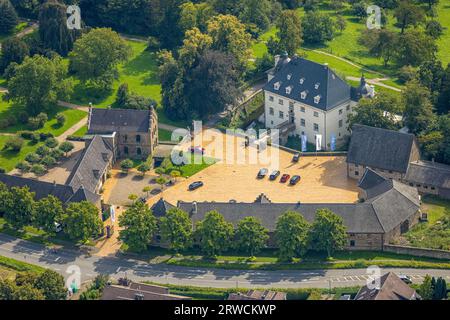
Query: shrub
(33,158)
(38,122)
(406,73)
(44,136)
(26,134)
(57,154)
(12,120)
(42,117)
(35,137)
(23,167)
(153,44)
(38,169)
(48,161)
(51,143)
(60,119)
(14,143)
(4,123)
(43,151)
(23,117)
(126,165)
(66,147)
(2,170)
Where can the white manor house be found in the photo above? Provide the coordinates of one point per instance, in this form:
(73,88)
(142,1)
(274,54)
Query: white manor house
(307,98)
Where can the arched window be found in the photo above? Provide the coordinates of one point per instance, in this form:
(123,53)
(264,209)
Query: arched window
(139,151)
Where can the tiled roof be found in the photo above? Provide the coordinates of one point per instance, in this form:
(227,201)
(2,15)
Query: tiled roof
(380,148)
(161,207)
(102,121)
(370,179)
(429,173)
(310,83)
(391,288)
(92,164)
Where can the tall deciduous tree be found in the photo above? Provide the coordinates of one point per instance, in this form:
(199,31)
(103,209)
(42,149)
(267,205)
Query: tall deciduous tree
(39,83)
(19,209)
(214,234)
(8,17)
(176,229)
(139,226)
(408,13)
(48,211)
(251,236)
(381,43)
(317,28)
(328,232)
(414,47)
(52,285)
(290,31)
(418,112)
(292,235)
(82,221)
(96,54)
(13,50)
(53,29)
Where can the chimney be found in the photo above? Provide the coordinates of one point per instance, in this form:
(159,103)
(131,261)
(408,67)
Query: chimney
(277,59)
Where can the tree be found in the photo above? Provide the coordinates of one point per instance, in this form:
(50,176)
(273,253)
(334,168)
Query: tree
(379,111)
(144,168)
(257,13)
(95,57)
(14,143)
(407,13)
(443,102)
(213,84)
(317,28)
(52,285)
(341,23)
(53,30)
(381,43)
(126,165)
(27,292)
(434,29)
(66,147)
(19,208)
(23,167)
(251,236)
(426,289)
(214,234)
(51,143)
(195,15)
(8,18)
(418,108)
(48,211)
(60,119)
(440,289)
(161,181)
(39,83)
(176,229)
(138,226)
(328,232)
(430,74)
(290,31)
(229,36)
(82,221)
(13,50)
(122,95)
(291,234)
(414,47)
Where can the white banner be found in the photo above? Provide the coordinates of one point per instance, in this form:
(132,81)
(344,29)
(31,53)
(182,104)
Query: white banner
(318,142)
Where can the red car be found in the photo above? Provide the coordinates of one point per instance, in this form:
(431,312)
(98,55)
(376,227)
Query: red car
(197,150)
(285,178)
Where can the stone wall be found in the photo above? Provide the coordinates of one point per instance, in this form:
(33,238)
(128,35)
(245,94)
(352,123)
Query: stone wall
(419,252)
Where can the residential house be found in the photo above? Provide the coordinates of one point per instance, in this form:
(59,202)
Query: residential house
(303,97)
(387,287)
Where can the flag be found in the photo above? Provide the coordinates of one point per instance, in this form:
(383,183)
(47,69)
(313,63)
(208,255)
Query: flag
(304,143)
(333,142)
(113,214)
(318,142)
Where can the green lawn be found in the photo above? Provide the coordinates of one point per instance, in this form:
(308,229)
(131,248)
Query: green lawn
(72,117)
(198,163)
(436,232)
(443,10)
(81,132)
(19,266)
(9,159)
(164,135)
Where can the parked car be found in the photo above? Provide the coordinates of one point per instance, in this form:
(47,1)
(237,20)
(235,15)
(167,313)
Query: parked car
(406,279)
(285,178)
(58,227)
(195,185)
(262,173)
(295,180)
(197,150)
(296,157)
(275,175)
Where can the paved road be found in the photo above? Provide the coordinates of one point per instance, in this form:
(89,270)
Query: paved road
(140,271)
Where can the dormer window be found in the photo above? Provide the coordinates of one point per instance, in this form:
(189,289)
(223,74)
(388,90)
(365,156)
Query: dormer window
(317,99)
(316,86)
(277,85)
(303,94)
(302,80)
(288,90)
(289,76)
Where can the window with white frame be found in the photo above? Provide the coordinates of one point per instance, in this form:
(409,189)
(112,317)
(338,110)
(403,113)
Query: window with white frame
(316,127)
(303,122)
(281,115)
(317,99)
(303,94)
(277,85)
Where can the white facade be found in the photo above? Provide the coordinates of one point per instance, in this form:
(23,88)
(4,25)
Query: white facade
(308,120)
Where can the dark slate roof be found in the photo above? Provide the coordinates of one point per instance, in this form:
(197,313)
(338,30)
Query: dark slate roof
(102,121)
(429,173)
(380,148)
(161,207)
(391,288)
(333,91)
(380,214)
(92,164)
(42,189)
(370,179)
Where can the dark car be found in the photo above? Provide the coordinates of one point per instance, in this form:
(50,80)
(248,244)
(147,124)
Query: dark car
(275,175)
(197,150)
(285,178)
(295,180)
(296,157)
(195,185)
(262,173)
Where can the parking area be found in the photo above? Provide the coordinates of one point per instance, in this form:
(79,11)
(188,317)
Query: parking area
(323,180)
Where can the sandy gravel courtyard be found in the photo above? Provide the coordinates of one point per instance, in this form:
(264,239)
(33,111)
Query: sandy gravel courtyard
(324,180)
